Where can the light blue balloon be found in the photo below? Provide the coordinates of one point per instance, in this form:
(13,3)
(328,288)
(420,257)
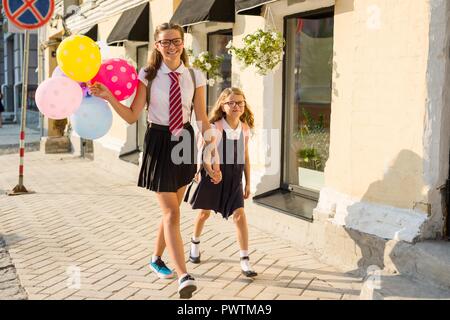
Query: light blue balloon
(93,119)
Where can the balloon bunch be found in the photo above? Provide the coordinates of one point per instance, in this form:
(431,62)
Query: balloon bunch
(66,93)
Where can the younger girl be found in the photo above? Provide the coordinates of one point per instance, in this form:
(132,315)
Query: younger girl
(232,118)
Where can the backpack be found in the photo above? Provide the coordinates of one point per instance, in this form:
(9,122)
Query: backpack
(149,91)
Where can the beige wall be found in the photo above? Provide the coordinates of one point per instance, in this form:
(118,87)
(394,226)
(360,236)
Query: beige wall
(379,95)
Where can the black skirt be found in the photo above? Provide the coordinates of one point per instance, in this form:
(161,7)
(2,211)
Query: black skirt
(1,107)
(167,165)
(228,195)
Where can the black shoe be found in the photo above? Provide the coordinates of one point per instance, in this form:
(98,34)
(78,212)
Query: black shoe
(186,287)
(192,259)
(195,260)
(248,273)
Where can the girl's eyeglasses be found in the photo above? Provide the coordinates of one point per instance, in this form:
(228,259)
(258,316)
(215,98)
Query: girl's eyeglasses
(166,43)
(232,104)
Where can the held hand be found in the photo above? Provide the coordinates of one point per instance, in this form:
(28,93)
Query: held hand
(197,177)
(247,191)
(100,90)
(217,174)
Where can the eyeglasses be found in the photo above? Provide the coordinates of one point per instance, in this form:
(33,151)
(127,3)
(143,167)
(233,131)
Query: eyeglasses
(232,104)
(166,43)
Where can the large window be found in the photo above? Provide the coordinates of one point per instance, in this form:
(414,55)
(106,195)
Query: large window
(142,62)
(217,43)
(306,113)
(308,100)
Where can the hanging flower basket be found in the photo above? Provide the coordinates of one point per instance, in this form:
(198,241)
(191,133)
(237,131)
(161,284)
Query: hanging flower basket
(261,49)
(209,64)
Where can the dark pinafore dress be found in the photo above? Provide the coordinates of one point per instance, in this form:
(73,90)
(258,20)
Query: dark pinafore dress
(228,195)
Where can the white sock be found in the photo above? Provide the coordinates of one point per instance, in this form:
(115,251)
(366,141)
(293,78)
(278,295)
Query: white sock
(181,277)
(154,258)
(245,264)
(195,248)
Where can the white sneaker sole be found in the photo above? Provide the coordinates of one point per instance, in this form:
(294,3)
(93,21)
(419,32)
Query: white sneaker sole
(160,275)
(186,289)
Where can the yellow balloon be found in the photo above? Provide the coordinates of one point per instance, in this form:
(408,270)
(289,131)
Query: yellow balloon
(79,58)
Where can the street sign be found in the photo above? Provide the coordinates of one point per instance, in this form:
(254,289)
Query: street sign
(29,14)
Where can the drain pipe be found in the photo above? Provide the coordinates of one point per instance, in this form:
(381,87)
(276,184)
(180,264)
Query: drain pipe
(41,64)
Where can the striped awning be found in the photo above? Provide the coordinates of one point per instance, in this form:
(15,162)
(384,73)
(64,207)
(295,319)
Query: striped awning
(251,7)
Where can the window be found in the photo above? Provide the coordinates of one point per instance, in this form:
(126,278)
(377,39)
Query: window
(306,113)
(308,102)
(141,126)
(217,43)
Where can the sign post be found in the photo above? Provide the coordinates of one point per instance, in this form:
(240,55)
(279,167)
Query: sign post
(28,15)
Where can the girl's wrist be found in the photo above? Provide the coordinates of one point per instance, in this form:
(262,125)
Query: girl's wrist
(110,98)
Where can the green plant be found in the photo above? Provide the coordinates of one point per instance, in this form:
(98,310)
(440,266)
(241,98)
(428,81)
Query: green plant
(309,158)
(209,64)
(309,133)
(261,49)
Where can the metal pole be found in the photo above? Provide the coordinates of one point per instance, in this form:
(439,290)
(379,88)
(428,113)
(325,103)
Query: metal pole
(20,188)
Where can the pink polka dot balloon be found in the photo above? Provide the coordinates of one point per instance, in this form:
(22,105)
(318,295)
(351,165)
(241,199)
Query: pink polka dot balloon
(119,76)
(58,97)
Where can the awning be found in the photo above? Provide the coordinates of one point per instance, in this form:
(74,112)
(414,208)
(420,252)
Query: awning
(91,32)
(133,25)
(191,12)
(251,7)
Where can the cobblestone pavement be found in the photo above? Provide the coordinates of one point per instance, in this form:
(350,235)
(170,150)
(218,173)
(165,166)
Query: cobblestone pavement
(88,234)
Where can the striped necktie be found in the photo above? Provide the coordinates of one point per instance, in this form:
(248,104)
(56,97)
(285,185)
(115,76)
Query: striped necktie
(175,109)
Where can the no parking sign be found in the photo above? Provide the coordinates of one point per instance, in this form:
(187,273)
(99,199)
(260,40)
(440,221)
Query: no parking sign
(29,14)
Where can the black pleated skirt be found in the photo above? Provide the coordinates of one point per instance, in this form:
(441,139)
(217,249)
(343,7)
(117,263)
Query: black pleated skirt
(167,165)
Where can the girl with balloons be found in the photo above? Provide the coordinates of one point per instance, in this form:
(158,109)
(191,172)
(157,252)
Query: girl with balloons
(168,89)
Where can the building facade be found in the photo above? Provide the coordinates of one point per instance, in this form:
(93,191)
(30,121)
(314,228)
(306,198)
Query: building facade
(11,78)
(352,139)
(11,73)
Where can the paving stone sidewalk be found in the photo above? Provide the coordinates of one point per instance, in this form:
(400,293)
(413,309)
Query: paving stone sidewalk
(88,234)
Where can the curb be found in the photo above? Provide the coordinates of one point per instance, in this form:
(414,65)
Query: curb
(10,287)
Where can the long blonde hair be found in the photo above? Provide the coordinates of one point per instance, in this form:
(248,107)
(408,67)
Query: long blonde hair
(217,113)
(155,59)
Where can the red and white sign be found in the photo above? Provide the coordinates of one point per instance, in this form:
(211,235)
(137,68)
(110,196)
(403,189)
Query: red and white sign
(29,14)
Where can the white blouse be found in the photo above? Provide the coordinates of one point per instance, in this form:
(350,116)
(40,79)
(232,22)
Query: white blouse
(232,134)
(158,111)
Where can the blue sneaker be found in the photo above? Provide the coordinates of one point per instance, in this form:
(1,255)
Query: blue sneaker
(161,270)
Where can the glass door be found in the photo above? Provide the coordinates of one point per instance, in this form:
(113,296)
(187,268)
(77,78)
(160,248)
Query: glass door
(308,80)
(217,43)
(142,57)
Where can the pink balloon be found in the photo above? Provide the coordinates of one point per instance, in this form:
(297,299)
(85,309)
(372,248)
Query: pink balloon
(59,97)
(58,72)
(119,77)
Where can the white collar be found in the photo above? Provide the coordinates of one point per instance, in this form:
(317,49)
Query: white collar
(233,134)
(165,69)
